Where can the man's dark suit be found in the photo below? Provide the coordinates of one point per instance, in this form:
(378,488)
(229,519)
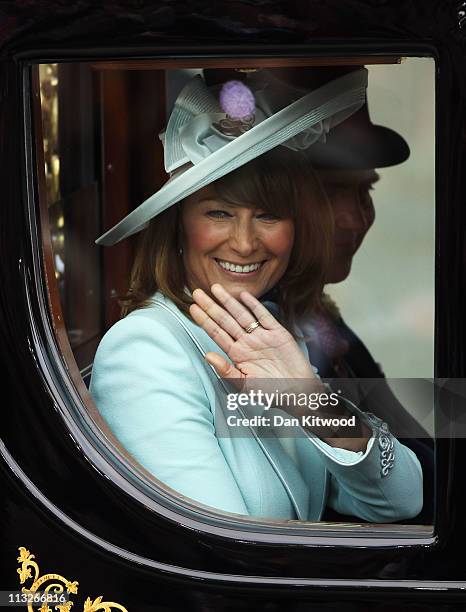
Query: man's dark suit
(362,381)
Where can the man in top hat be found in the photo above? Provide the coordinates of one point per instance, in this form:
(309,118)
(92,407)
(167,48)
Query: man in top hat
(346,164)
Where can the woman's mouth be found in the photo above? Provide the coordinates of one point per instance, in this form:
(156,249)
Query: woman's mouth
(229,266)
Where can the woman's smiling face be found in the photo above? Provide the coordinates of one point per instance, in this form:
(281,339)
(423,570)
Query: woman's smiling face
(242,248)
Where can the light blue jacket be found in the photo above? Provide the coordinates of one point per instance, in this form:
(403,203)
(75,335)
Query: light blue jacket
(161,399)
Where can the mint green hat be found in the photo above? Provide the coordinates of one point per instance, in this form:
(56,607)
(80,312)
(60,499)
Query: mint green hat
(199,148)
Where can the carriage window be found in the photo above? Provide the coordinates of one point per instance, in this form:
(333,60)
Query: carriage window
(278,217)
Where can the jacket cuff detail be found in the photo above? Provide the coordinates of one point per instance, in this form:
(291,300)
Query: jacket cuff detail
(387,449)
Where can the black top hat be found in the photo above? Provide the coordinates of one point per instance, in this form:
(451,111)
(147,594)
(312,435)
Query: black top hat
(354,144)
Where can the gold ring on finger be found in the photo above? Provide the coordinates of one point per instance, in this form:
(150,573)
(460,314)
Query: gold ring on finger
(252,326)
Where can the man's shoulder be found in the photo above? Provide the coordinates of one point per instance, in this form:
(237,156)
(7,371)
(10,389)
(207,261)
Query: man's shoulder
(358,357)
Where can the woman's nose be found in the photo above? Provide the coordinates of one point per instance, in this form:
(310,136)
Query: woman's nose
(243,238)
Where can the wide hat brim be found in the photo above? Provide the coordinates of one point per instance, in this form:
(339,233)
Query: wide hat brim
(325,106)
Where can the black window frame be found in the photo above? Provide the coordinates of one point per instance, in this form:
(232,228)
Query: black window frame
(207,519)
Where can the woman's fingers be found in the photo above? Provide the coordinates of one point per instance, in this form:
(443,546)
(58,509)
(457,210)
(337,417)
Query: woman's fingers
(223,368)
(259,311)
(218,314)
(217,334)
(241,314)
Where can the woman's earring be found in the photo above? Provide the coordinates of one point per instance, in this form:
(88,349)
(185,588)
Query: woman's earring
(180,251)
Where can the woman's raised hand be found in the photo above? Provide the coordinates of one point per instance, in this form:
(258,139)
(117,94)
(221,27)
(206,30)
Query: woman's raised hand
(268,351)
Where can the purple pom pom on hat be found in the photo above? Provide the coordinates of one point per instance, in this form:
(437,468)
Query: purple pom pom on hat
(237,100)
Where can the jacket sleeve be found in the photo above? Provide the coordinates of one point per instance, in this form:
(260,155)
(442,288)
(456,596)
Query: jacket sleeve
(383,484)
(146,387)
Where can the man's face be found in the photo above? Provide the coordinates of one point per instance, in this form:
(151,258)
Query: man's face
(349,192)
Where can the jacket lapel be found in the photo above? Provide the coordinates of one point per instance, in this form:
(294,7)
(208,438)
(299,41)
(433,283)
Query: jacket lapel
(289,475)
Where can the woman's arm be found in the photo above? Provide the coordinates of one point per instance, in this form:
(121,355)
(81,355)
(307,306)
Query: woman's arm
(365,481)
(147,389)
(384,484)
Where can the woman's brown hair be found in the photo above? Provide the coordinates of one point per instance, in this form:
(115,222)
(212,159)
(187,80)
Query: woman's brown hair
(280,182)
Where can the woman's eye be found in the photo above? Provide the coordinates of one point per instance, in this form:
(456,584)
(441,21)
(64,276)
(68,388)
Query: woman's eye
(267,217)
(218,214)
